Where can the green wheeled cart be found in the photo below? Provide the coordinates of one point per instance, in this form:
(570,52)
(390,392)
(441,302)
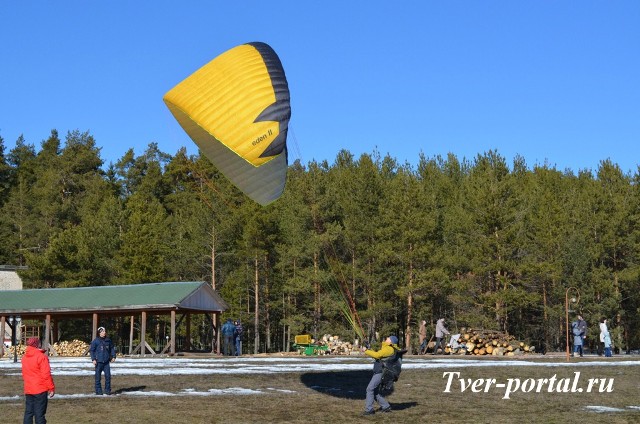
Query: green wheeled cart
(305,346)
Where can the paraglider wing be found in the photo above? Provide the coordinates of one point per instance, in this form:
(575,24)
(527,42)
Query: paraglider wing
(236,109)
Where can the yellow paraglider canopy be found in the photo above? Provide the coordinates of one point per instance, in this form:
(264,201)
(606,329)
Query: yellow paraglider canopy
(236,109)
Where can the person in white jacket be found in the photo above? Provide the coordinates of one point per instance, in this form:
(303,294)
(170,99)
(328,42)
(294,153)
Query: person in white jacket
(604,331)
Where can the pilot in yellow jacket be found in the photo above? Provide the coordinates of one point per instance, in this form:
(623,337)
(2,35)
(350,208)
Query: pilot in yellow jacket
(388,349)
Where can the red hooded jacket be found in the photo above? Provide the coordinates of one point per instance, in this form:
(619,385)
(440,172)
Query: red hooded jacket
(36,372)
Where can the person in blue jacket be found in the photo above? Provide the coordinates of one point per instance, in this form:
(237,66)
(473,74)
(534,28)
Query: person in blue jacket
(102,352)
(228,330)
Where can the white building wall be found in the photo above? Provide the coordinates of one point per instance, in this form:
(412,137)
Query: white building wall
(9,280)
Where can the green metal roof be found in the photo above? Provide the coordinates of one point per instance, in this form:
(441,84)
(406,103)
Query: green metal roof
(197,296)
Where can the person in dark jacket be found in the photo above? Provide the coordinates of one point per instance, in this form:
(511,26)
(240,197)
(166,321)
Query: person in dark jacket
(38,383)
(228,331)
(388,349)
(237,335)
(102,353)
(579,331)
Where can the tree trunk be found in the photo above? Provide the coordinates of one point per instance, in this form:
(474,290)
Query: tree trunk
(407,332)
(267,324)
(545,316)
(285,338)
(214,317)
(316,296)
(256,313)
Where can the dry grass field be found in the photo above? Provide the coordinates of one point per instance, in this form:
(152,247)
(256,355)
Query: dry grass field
(335,395)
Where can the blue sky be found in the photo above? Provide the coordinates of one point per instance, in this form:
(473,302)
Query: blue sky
(552,81)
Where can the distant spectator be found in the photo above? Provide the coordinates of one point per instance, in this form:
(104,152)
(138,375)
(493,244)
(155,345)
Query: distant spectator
(603,330)
(579,330)
(237,335)
(441,331)
(422,334)
(607,345)
(38,383)
(228,330)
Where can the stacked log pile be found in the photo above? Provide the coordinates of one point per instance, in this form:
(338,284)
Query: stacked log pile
(64,348)
(471,342)
(72,348)
(8,352)
(337,346)
(488,342)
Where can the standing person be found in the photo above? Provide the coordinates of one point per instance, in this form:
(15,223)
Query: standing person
(441,331)
(102,353)
(607,345)
(579,330)
(422,334)
(388,349)
(582,325)
(228,330)
(603,330)
(38,383)
(237,335)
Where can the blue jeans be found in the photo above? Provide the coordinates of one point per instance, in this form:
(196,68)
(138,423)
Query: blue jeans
(374,395)
(577,349)
(439,344)
(35,406)
(238,346)
(607,352)
(228,345)
(100,367)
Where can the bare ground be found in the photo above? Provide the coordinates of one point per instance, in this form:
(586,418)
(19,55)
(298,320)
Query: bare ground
(330,397)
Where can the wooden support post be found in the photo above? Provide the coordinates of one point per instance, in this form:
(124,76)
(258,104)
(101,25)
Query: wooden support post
(14,331)
(2,329)
(173,332)
(187,344)
(47,332)
(143,332)
(171,344)
(54,333)
(143,346)
(215,339)
(131,335)
(94,331)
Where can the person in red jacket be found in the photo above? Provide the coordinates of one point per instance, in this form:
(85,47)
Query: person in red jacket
(38,383)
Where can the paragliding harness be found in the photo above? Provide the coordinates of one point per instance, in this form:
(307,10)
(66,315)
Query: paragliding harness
(391,368)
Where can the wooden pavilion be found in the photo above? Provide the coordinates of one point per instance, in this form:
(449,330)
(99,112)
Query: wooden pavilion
(53,305)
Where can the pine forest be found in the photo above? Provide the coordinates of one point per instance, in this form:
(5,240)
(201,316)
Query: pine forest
(482,242)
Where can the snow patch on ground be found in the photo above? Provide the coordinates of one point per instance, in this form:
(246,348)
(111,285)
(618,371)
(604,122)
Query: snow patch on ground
(604,409)
(268,365)
(156,393)
(280,390)
(271,365)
